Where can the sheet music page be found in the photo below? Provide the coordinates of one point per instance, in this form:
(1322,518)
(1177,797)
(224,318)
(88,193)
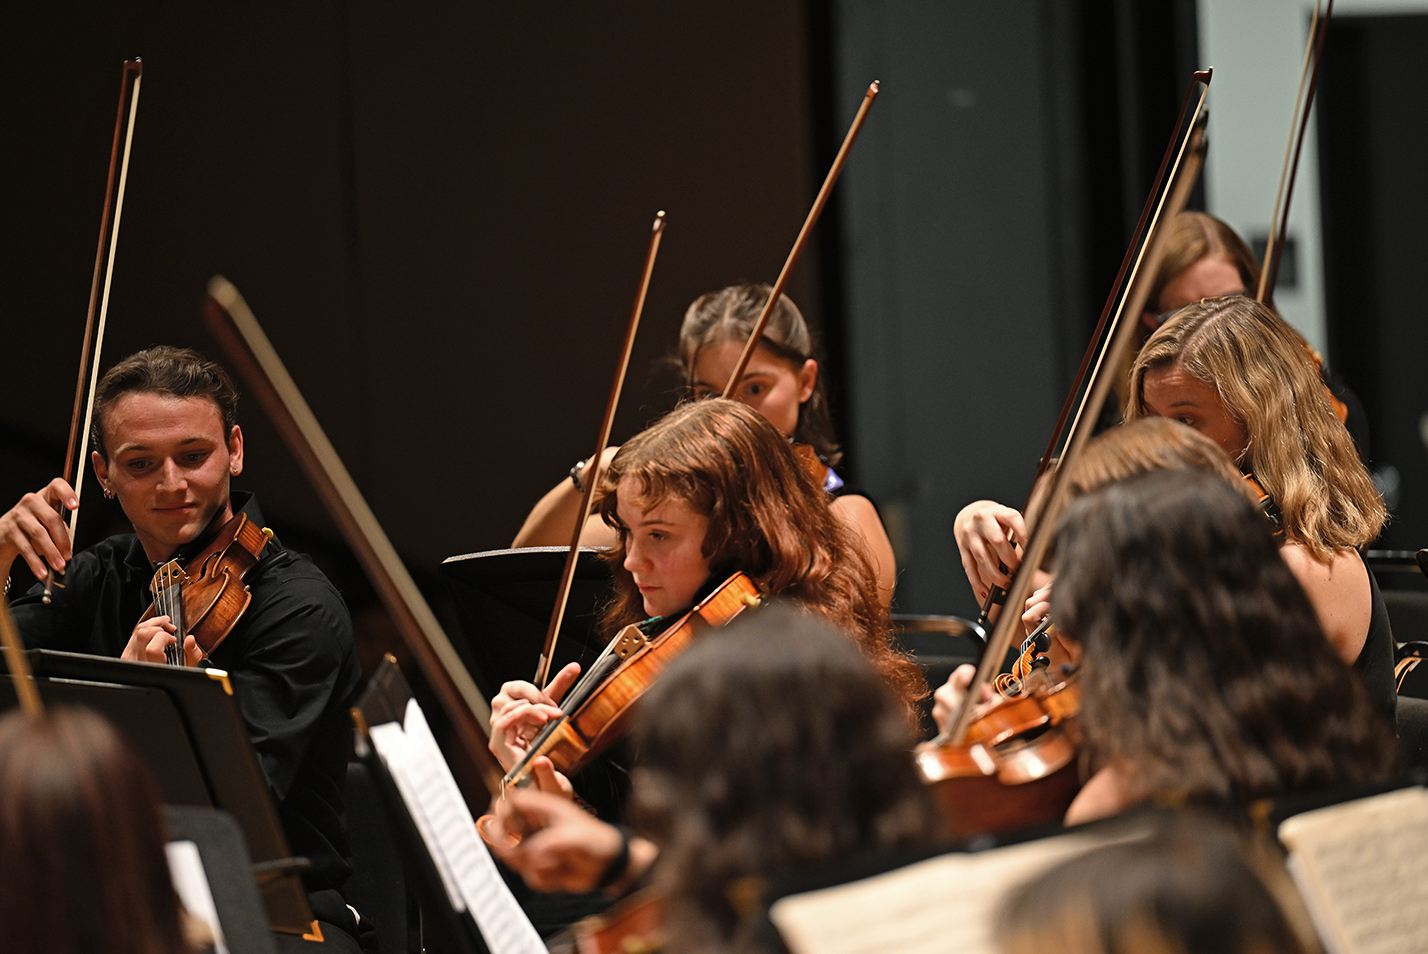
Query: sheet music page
(1362,867)
(191,884)
(390,741)
(946,903)
(503,924)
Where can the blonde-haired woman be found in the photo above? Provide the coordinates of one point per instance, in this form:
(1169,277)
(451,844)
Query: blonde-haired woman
(1235,371)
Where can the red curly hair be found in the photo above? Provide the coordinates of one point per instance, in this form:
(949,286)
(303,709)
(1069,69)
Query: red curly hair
(766,518)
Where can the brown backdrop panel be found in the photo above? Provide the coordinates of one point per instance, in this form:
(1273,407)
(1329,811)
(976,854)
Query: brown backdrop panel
(509,163)
(437,213)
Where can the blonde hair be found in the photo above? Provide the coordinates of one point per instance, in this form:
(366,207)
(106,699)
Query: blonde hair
(1298,448)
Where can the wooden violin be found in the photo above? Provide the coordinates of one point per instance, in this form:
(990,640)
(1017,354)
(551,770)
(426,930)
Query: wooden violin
(1018,764)
(1267,504)
(208,603)
(634,926)
(810,463)
(600,707)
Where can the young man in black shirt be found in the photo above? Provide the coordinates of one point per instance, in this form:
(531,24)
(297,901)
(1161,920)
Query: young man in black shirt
(166,444)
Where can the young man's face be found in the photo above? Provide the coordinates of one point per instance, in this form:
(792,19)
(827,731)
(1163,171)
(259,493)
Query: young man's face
(169,463)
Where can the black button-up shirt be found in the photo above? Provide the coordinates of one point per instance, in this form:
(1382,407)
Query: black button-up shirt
(290,658)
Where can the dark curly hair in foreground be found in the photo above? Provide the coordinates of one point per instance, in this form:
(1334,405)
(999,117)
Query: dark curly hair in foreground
(768,747)
(1206,677)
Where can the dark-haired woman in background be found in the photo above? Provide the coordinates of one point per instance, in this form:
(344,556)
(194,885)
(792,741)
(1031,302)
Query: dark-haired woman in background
(81,841)
(781,382)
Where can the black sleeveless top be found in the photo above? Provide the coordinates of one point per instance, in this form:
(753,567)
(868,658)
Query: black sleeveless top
(1375,662)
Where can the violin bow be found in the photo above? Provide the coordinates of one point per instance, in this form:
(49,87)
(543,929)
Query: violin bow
(1303,102)
(232,322)
(802,240)
(1187,148)
(93,344)
(592,470)
(1110,318)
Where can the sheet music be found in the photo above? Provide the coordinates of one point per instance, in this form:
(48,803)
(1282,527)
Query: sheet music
(946,903)
(468,872)
(191,883)
(1362,867)
(390,741)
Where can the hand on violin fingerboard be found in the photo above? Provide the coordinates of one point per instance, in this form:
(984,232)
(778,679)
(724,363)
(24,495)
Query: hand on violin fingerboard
(520,710)
(948,697)
(1038,607)
(152,636)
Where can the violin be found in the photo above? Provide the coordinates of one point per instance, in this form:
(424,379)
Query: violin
(599,708)
(1018,762)
(634,926)
(208,603)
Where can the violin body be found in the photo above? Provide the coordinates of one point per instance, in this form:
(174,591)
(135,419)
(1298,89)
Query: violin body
(208,603)
(604,714)
(634,926)
(1017,766)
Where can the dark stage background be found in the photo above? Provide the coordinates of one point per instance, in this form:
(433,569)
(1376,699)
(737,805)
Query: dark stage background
(438,212)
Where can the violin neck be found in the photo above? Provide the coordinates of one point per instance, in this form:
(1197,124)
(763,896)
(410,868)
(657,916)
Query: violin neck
(167,588)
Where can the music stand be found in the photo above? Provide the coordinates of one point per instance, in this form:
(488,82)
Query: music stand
(504,600)
(443,928)
(185,724)
(229,874)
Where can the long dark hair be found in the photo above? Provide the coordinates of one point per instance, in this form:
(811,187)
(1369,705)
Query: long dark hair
(1206,675)
(766,518)
(772,747)
(730,314)
(81,842)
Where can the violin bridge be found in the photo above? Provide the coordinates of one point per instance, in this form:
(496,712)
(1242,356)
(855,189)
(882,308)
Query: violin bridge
(629,641)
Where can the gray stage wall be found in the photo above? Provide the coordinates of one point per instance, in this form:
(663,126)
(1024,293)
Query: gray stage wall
(963,265)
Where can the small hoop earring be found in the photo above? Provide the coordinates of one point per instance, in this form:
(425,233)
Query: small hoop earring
(109,493)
